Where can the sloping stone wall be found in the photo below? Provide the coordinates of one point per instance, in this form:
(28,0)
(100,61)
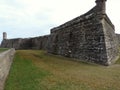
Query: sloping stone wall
(40,42)
(81,40)
(118,38)
(10,43)
(90,37)
(5,63)
(26,43)
(111,42)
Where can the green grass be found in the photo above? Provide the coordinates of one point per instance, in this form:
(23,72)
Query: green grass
(3,49)
(37,70)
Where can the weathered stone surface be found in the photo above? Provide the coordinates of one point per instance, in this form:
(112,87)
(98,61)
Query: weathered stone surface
(26,43)
(118,38)
(89,37)
(5,63)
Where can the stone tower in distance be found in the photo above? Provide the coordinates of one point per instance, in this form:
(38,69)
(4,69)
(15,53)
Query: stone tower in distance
(4,35)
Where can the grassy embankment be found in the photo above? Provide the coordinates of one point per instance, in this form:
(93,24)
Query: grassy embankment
(3,49)
(37,70)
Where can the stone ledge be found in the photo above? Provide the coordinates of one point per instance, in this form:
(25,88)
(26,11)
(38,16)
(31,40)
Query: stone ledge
(6,59)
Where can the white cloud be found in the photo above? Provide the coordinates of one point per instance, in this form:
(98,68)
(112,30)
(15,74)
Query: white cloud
(114,14)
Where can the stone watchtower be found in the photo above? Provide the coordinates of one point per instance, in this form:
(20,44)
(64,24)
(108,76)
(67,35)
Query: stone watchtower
(4,35)
(101,5)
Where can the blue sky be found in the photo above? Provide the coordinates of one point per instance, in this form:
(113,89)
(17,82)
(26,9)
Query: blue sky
(31,18)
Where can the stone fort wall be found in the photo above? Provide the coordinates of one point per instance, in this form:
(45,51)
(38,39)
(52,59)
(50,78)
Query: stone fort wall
(26,43)
(89,37)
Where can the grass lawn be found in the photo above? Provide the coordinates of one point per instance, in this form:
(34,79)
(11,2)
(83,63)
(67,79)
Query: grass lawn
(3,49)
(37,70)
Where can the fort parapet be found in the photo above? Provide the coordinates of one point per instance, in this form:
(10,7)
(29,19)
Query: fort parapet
(90,37)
